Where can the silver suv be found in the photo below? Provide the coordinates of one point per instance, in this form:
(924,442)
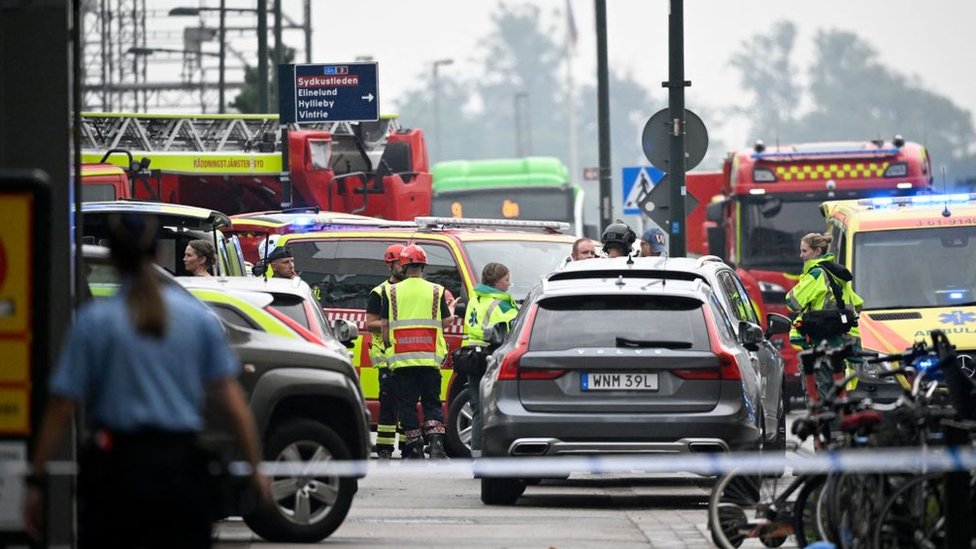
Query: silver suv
(644,355)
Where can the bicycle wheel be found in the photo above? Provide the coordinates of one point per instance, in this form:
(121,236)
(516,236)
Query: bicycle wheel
(745,506)
(914,516)
(805,522)
(854,505)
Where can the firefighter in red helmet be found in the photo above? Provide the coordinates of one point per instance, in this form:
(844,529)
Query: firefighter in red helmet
(414,315)
(379,354)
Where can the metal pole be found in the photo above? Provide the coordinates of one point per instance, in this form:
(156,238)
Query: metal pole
(308,30)
(278,50)
(222,36)
(603,112)
(519,149)
(262,56)
(437,113)
(676,104)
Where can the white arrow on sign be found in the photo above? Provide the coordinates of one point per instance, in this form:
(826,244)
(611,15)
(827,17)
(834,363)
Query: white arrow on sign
(368,97)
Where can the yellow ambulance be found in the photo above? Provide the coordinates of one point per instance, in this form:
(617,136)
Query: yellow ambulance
(914,263)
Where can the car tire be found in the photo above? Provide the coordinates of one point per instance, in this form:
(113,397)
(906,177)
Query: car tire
(501,491)
(328,498)
(459,426)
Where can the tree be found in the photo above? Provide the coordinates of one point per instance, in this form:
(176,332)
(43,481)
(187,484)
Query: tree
(852,96)
(246,100)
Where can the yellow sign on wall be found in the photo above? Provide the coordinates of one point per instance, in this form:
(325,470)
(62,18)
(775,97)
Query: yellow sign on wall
(15,354)
(15,263)
(15,411)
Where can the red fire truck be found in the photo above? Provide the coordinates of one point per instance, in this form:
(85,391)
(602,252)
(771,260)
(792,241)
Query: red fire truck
(234,163)
(755,211)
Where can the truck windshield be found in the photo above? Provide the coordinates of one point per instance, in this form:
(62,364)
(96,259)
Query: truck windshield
(894,269)
(772,229)
(527,260)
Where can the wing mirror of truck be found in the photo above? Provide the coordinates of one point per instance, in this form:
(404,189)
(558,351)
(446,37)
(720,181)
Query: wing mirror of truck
(496,334)
(750,335)
(777,324)
(460,307)
(346,332)
(714,211)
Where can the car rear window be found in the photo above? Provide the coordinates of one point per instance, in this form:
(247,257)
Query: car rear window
(619,320)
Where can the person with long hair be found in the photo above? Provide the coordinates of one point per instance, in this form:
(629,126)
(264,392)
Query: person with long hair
(490,304)
(141,364)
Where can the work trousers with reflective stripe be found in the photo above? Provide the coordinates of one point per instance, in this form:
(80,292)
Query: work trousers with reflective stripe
(389,411)
(424,383)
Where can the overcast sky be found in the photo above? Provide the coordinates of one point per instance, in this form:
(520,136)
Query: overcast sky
(932,41)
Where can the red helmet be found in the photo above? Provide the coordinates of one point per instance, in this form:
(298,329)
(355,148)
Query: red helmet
(413,254)
(393,253)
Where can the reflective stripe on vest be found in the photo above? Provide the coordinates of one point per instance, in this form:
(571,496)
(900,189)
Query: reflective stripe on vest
(416,332)
(378,351)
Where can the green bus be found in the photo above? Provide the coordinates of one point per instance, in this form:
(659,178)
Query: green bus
(536,188)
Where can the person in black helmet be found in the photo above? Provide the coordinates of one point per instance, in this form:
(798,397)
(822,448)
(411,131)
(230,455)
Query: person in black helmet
(618,239)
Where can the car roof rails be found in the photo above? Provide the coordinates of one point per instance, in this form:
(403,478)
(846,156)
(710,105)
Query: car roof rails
(477,223)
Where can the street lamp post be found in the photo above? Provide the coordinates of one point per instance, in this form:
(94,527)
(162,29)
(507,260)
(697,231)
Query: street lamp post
(522,148)
(221,72)
(437,105)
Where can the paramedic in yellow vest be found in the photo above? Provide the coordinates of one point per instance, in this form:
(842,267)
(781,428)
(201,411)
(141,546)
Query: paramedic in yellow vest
(813,293)
(378,355)
(490,304)
(415,313)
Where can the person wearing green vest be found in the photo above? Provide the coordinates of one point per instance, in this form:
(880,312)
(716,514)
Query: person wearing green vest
(379,355)
(813,293)
(490,304)
(415,313)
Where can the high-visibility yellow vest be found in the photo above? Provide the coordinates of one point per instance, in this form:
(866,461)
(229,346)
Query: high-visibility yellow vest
(416,334)
(483,311)
(378,351)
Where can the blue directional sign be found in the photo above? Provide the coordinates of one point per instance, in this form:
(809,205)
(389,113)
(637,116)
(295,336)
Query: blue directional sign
(335,92)
(638,182)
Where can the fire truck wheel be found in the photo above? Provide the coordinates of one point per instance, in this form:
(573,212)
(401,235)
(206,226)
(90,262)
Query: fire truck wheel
(306,509)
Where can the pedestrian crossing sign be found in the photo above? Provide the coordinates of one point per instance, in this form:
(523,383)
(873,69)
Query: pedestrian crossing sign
(637,183)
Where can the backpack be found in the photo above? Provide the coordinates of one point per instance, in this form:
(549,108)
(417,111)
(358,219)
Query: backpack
(828,323)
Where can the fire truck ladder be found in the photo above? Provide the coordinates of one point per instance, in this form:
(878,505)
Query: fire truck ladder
(211,133)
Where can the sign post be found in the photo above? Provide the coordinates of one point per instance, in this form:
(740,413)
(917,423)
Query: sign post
(334,92)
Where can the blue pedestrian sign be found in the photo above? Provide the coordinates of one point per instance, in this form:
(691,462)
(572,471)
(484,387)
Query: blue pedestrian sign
(638,182)
(335,92)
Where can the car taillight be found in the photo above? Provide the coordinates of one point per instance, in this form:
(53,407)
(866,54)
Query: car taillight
(509,369)
(727,369)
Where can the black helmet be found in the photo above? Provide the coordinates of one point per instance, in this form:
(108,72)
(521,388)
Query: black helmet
(619,234)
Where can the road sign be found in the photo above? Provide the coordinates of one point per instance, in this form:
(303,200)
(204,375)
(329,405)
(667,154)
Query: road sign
(656,204)
(335,92)
(656,139)
(591,173)
(638,181)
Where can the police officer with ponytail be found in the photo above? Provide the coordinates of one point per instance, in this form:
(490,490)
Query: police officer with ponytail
(141,364)
(490,304)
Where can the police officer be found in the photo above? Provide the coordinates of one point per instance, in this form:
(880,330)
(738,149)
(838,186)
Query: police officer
(618,239)
(490,304)
(415,313)
(813,292)
(282,263)
(379,355)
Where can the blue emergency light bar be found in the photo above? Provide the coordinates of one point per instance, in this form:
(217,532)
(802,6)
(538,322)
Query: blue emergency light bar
(919,200)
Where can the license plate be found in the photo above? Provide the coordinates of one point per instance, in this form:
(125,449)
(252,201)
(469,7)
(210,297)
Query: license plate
(590,381)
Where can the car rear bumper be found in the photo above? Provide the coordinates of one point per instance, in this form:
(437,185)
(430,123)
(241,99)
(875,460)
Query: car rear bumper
(510,430)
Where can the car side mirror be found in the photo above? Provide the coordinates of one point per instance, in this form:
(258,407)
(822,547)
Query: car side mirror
(715,211)
(346,332)
(750,335)
(497,333)
(777,324)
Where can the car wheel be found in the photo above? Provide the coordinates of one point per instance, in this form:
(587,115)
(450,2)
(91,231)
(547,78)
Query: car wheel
(459,426)
(306,508)
(501,491)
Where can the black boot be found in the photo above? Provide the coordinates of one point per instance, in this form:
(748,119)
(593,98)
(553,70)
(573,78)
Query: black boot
(437,446)
(384,452)
(414,449)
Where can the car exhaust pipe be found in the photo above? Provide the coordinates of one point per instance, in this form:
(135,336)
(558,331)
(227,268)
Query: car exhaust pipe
(706,448)
(534,448)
